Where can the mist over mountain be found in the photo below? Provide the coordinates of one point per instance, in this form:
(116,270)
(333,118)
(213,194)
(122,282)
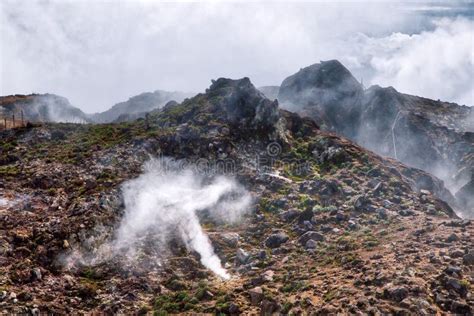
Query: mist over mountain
(138,105)
(325,165)
(41,108)
(431,135)
(180,46)
(53,108)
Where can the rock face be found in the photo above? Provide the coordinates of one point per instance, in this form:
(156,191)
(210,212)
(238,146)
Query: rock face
(53,108)
(41,108)
(328,91)
(435,136)
(243,103)
(420,132)
(137,106)
(236,103)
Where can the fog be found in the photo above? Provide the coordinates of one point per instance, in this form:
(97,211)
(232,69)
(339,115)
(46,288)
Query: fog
(99,53)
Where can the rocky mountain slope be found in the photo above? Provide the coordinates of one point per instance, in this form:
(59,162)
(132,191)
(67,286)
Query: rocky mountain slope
(431,135)
(53,108)
(333,228)
(41,108)
(138,105)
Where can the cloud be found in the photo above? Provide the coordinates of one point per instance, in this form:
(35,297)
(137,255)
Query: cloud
(438,64)
(99,53)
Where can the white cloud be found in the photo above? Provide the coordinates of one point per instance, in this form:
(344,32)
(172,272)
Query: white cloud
(438,64)
(100,53)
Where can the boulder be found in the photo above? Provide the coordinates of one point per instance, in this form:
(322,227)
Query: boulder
(290,215)
(275,240)
(311,244)
(452,238)
(396,293)
(311,235)
(269,307)
(468,259)
(256,295)
(242,256)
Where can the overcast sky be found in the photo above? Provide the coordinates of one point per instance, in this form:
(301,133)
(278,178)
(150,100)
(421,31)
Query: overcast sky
(98,53)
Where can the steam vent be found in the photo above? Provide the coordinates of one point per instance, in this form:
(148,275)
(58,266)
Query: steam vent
(322,195)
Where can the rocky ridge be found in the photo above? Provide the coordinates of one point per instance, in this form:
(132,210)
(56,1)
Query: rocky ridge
(55,109)
(41,108)
(137,106)
(335,228)
(431,135)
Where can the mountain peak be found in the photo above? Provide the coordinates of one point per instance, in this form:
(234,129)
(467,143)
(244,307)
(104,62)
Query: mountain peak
(328,90)
(245,104)
(221,84)
(325,75)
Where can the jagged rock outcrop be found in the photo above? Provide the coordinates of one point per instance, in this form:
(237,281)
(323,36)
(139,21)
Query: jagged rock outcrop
(431,135)
(327,92)
(243,103)
(41,108)
(236,103)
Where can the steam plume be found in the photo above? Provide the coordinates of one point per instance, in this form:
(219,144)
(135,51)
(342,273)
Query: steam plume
(166,201)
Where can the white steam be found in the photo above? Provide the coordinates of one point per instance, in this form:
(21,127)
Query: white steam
(437,64)
(166,202)
(66,47)
(52,108)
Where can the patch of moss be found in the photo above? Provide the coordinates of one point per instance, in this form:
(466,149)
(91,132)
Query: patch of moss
(330,295)
(304,201)
(222,304)
(201,291)
(88,288)
(90,274)
(286,307)
(293,287)
(324,209)
(266,206)
(8,146)
(9,171)
(176,285)
(370,241)
(173,303)
(347,243)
